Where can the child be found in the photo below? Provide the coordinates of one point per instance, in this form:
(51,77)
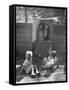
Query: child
(52,61)
(49,64)
(28,67)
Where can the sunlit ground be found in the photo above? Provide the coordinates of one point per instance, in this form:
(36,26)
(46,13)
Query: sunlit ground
(57,75)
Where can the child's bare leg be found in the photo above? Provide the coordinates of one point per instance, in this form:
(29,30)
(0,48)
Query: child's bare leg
(36,71)
(33,70)
(33,74)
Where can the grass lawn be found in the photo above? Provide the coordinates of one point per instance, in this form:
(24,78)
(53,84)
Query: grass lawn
(57,75)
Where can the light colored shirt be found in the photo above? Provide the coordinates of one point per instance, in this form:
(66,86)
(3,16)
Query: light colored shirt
(51,61)
(27,65)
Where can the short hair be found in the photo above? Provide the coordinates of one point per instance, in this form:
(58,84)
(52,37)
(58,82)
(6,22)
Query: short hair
(29,52)
(43,26)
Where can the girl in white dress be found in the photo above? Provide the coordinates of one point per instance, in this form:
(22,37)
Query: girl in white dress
(28,67)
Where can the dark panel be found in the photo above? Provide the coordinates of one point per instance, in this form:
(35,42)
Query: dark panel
(23,37)
(59,42)
(43,47)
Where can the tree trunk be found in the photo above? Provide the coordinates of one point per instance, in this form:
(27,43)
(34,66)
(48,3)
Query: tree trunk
(25,14)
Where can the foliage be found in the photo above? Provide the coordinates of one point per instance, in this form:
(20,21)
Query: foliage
(26,14)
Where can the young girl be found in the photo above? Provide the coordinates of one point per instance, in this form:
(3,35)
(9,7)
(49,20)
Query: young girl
(28,67)
(52,60)
(49,64)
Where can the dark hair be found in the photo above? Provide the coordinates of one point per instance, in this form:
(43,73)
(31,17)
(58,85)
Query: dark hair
(43,26)
(53,54)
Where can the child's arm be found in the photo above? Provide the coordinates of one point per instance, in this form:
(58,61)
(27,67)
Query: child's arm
(23,65)
(50,49)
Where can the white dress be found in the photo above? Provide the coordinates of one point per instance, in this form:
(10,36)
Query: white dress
(27,66)
(51,62)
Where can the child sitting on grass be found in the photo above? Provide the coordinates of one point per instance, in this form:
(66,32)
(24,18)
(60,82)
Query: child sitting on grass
(49,64)
(28,67)
(51,61)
